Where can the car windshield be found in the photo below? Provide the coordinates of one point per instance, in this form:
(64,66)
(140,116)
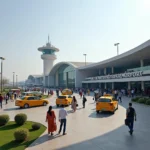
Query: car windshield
(62,97)
(104,100)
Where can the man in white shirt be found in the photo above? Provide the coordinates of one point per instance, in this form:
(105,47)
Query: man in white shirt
(62,118)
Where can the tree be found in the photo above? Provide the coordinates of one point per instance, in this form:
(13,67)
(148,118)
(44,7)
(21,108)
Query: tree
(4,81)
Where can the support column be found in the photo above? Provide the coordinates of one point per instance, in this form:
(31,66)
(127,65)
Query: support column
(105,72)
(112,85)
(99,72)
(112,70)
(129,85)
(56,79)
(48,81)
(100,85)
(141,63)
(142,85)
(105,86)
(44,80)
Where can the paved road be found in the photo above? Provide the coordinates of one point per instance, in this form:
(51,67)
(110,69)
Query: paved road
(87,130)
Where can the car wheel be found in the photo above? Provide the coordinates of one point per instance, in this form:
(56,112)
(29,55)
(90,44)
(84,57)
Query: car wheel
(26,106)
(113,112)
(117,107)
(97,111)
(44,104)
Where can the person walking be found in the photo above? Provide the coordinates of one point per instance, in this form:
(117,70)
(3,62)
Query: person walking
(62,118)
(15,95)
(84,101)
(120,96)
(131,116)
(74,104)
(88,92)
(132,93)
(51,119)
(80,93)
(6,98)
(1,100)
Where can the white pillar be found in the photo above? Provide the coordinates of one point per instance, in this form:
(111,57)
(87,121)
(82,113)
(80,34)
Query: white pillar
(112,70)
(105,86)
(129,85)
(56,78)
(48,81)
(142,85)
(141,63)
(112,85)
(44,80)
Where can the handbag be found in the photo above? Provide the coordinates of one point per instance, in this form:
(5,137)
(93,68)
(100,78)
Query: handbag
(126,121)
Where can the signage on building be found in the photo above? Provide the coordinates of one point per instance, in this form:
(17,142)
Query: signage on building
(118,76)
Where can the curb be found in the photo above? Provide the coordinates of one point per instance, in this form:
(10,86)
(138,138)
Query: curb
(140,104)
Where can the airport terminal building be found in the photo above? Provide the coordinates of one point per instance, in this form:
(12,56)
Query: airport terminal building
(128,70)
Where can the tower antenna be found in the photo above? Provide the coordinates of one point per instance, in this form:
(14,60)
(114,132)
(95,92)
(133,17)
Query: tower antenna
(48,38)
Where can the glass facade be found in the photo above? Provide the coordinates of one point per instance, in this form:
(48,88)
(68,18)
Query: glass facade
(66,76)
(48,51)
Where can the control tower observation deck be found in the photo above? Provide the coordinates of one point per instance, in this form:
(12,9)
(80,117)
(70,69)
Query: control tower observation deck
(48,56)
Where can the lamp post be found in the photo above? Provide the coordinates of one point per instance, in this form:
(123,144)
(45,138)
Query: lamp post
(117,44)
(13,78)
(16,80)
(2,58)
(85,58)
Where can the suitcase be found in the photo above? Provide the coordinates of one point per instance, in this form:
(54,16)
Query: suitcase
(126,121)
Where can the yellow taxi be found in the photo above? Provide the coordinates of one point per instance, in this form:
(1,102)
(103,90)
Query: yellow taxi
(32,93)
(64,100)
(30,101)
(66,92)
(107,103)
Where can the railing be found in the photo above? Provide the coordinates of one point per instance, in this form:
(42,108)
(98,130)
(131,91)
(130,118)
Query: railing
(139,69)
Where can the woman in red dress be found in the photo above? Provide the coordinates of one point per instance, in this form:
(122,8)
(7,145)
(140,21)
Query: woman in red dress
(51,119)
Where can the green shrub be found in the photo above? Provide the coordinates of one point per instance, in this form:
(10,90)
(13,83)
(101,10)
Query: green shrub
(148,102)
(135,99)
(4,119)
(21,134)
(20,119)
(36,126)
(142,100)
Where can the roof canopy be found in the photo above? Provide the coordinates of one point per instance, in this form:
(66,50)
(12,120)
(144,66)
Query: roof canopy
(134,55)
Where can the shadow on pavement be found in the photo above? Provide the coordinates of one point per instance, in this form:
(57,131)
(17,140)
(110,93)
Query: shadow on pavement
(11,109)
(100,115)
(45,138)
(55,107)
(118,139)
(70,111)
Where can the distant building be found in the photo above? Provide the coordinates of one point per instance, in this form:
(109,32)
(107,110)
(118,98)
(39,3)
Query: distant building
(128,70)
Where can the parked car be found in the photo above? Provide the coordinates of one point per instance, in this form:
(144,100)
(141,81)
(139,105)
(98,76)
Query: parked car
(30,101)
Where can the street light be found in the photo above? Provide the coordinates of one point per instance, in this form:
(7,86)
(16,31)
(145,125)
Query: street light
(13,78)
(85,58)
(2,58)
(116,44)
(16,80)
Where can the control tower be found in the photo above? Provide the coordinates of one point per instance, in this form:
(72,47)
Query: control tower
(48,56)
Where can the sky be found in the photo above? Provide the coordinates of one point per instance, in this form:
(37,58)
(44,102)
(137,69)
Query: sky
(74,26)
